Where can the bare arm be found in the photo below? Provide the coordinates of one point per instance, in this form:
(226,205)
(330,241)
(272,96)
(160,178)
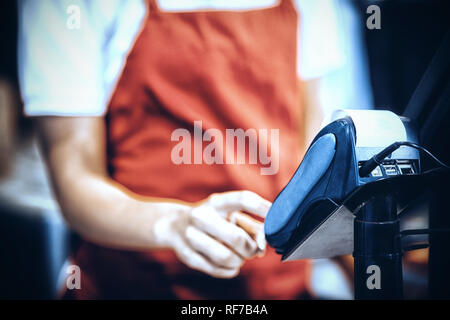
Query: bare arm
(104,212)
(312,109)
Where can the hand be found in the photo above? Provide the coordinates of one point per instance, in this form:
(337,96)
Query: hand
(214,236)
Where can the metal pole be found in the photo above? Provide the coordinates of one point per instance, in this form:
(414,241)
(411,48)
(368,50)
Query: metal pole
(377,251)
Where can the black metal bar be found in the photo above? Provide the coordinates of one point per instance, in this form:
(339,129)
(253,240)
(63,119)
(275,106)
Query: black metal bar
(413,232)
(377,251)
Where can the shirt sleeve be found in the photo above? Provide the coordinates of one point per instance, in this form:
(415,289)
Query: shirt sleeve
(319,48)
(60,58)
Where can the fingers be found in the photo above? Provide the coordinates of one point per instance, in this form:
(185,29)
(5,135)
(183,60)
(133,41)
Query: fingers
(252,226)
(207,242)
(196,261)
(213,250)
(241,200)
(209,221)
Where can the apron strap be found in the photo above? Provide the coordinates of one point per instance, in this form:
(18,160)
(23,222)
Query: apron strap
(286,3)
(153,6)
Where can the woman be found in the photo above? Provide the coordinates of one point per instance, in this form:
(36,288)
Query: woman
(153,228)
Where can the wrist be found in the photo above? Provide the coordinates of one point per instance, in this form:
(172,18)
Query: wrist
(168,223)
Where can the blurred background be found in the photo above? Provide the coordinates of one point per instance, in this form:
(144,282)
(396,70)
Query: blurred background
(384,67)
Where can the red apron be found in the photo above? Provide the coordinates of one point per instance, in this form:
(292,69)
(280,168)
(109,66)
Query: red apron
(228,69)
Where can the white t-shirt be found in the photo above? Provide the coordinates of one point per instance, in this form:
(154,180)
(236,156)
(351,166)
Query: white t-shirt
(65,70)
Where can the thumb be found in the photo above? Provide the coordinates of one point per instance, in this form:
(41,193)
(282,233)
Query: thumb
(241,201)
